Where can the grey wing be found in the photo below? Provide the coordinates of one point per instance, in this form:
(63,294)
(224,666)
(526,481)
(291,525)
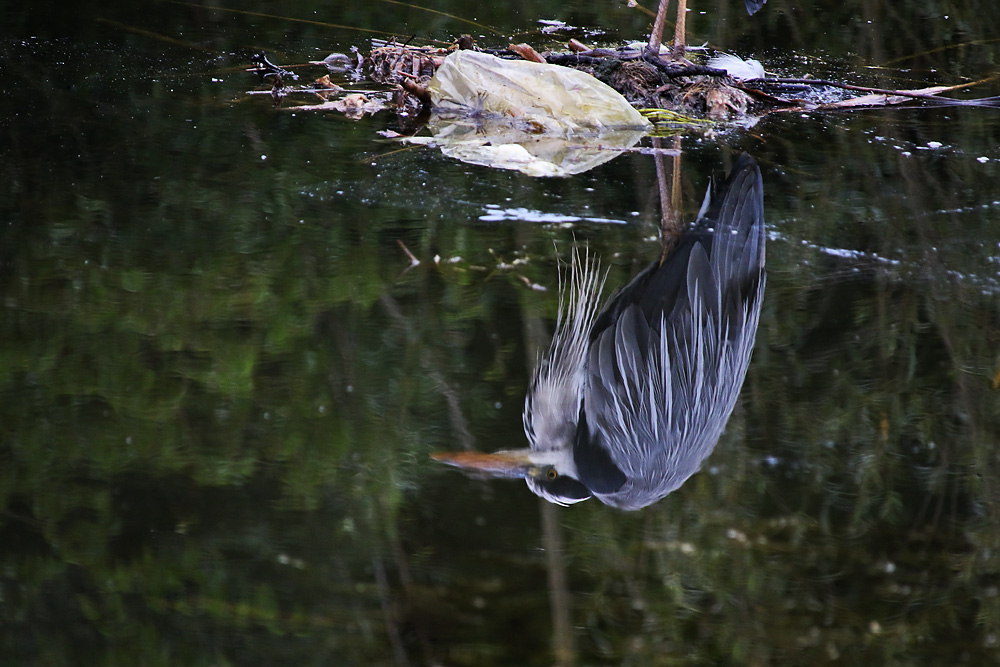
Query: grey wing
(662,385)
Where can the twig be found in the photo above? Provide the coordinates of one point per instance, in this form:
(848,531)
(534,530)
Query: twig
(861,89)
(265,68)
(758,94)
(675,70)
(527,53)
(388,603)
(928,95)
(314,91)
(654,150)
(402,52)
(531,285)
(567,59)
(430,363)
(413,260)
(419,91)
(620,54)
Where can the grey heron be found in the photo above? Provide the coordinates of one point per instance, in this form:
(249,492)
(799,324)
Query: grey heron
(630,399)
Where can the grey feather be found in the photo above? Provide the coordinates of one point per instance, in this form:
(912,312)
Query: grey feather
(651,380)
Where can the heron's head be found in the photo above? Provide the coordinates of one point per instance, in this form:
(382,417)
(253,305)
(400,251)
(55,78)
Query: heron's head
(550,474)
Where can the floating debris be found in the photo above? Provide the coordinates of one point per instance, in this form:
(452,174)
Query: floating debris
(736,67)
(561,113)
(543,97)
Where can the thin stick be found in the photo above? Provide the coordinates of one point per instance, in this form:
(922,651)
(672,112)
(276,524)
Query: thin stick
(863,89)
(445,14)
(644,10)
(680,36)
(656,34)
(413,260)
(282,18)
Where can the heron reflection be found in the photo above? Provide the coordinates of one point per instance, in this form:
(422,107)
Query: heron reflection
(630,400)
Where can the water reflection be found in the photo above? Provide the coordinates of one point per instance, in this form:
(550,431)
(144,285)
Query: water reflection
(491,142)
(630,400)
(219,390)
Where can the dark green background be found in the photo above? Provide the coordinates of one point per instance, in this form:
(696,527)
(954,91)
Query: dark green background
(219,386)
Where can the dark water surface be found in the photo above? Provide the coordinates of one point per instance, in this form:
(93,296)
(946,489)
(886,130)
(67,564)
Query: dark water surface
(219,384)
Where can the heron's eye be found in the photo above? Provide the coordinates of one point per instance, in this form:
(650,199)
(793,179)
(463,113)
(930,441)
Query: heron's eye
(551,473)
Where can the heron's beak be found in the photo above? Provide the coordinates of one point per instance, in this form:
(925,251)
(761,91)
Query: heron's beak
(510,463)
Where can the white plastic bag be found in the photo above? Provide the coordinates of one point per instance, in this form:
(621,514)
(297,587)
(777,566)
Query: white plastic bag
(533,96)
(541,120)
